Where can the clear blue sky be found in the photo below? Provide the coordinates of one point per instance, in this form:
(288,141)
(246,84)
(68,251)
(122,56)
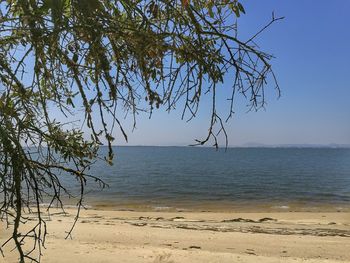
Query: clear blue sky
(312,49)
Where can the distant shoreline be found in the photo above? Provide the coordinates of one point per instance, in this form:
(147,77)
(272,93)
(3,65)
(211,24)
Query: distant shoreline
(287,146)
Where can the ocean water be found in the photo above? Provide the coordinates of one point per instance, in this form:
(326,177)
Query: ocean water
(185,178)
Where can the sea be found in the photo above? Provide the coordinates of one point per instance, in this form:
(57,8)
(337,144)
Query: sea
(233,179)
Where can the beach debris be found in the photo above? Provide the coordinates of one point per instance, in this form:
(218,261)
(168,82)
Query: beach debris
(265,219)
(195,247)
(188,227)
(138,224)
(239,220)
(244,220)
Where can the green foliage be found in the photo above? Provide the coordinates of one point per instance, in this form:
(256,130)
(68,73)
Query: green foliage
(100,57)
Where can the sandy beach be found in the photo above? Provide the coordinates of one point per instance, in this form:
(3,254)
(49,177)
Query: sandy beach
(170,237)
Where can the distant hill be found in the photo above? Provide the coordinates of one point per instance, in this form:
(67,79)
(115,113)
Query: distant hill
(261,145)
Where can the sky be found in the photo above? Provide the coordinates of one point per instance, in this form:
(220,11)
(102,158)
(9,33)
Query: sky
(312,49)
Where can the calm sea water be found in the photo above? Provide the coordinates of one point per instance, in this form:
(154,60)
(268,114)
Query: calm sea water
(203,178)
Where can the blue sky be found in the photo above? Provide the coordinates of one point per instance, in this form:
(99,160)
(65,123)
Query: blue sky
(312,49)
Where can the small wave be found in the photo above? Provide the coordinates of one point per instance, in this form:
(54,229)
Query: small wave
(281,207)
(75,206)
(65,206)
(44,204)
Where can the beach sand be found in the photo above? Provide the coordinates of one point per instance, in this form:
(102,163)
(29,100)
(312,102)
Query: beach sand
(171,237)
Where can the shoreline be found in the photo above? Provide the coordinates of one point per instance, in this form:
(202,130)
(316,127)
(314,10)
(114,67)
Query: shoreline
(173,237)
(209,206)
